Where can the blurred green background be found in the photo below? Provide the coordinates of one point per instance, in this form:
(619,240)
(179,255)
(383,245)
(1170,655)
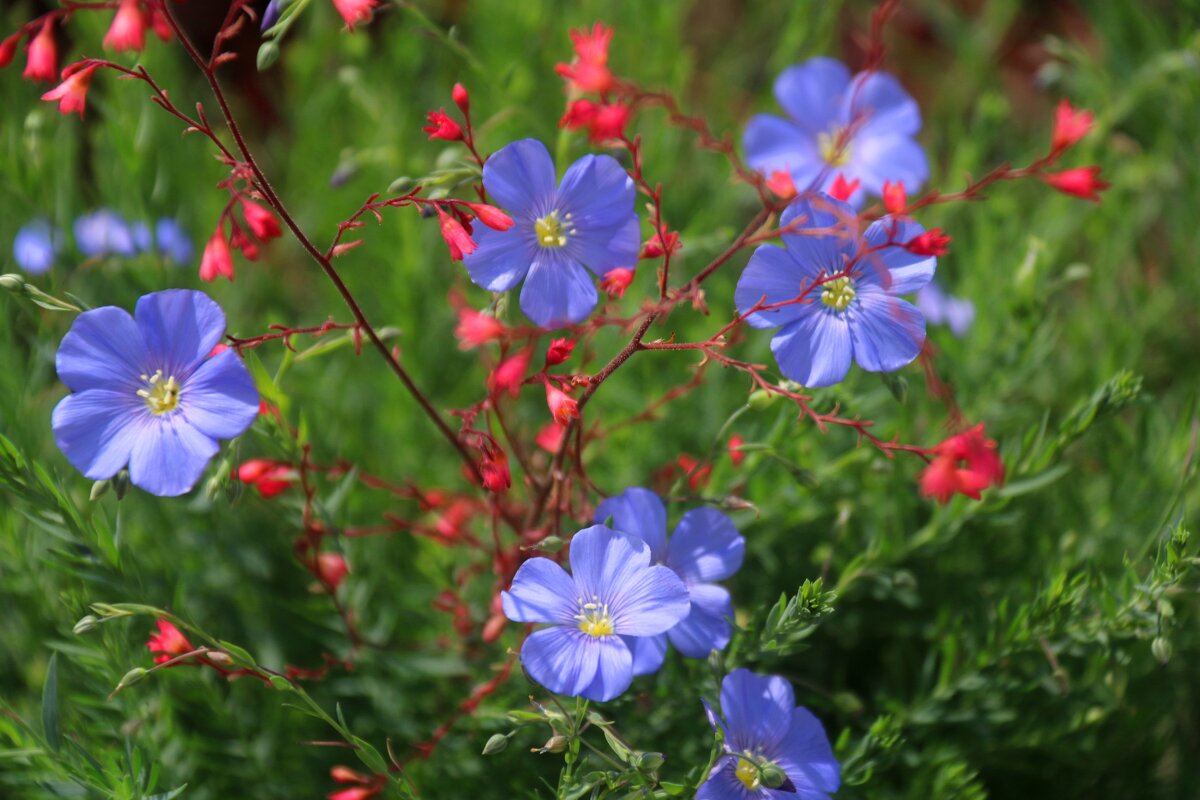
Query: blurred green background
(995,649)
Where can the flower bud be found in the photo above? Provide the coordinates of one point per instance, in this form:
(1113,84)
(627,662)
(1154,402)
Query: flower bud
(99,489)
(133,676)
(12,282)
(781,184)
(442,127)
(842,189)
(461,98)
(559,351)
(1161,648)
(649,760)
(495,744)
(332,569)
(86,624)
(771,775)
(491,216)
(120,484)
(555,744)
(616,281)
(895,199)
(761,399)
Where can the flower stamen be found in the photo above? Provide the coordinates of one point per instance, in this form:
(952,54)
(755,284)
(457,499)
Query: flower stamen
(838,294)
(552,231)
(594,618)
(834,147)
(163,395)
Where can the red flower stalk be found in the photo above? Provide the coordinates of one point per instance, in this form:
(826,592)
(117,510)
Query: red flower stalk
(71,94)
(966,463)
(781,184)
(842,189)
(1070,125)
(457,239)
(735,453)
(589,71)
(128,29)
(442,127)
(559,351)
(42,58)
(270,478)
(261,221)
(932,242)
(8,49)
(475,328)
(217,260)
(355,11)
(508,375)
(332,569)
(895,199)
(461,99)
(491,216)
(616,281)
(1081,182)
(661,243)
(169,642)
(563,407)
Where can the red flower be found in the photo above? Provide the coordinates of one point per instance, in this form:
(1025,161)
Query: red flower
(1082,182)
(616,281)
(559,351)
(475,328)
(8,49)
(508,375)
(843,189)
(442,127)
(781,184)
(261,221)
(550,437)
(128,30)
(603,121)
(932,242)
(42,58)
(563,407)
(966,463)
(589,71)
(238,239)
(160,24)
(217,260)
(456,236)
(368,785)
(332,569)
(491,216)
(461,98)
(895,200)
(660,243)
(494,470)
(71,94)
(270,478)
(168,641)
(735,453)
(355,11)
(1070,125)
(696,477)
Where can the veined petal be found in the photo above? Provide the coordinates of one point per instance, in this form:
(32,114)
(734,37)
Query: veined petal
(541,591)
(598,193)
(773,275)
(169,456)
(812,93)
(705,547)
(103,349)
(501,259)
(640,512)
(603,248)
(880,105)
(816,349)
(648,652)
(219,399)
(825,232)
(96,430)
(650,601)
(891,157)
(757,710)
(807,757)
(773,143)
(723,783)
(557,291)
(893,267)
(563,659)
(707,626)
(614,669)
(603,560)
(180,328)
(887,332)
(520,177)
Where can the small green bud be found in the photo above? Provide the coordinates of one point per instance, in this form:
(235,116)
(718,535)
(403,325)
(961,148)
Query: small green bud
(268,54)
(86,624)
(649,760)
(771,775)
(12,282)
(1161,648)
(99,489)
(555,744)
(716,662)
(495,744)
(120,484)
(760,399)
(281,683)
(133,676)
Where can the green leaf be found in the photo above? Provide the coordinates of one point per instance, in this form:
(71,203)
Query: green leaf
(50,706)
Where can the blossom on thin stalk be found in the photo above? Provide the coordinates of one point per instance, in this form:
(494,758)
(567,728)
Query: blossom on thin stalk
(855,312)
(860,127)
(146,394)
(774,749)
(41,62)
(613,592)
(559,233)
(169,642)
(705,547)
(71,94)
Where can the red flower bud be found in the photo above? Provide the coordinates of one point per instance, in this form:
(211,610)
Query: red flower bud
(8,49)
(461,98)
(781,184)
(735,453)
(261,221)
(491,216)
(343,774)
(1082,182)
(589,71)
(217,260)
(456,236)
(895,200)
(842,189)
(442,127)
(240,241)
(270,478)
(508,375)
(128,29)
(603,121)
(932,242)
(563,407)
(616,281)
(697,478)
(42,57)
(1070,125)
(660,243)
(332,569)
(559,351)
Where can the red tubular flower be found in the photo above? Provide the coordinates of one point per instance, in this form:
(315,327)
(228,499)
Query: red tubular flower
(579,114)
(261,221)
(589,71)
(1081,182)
(343,774)
(735,453)
(895,199)
(842,189)
(355,793)
(475,328)
(71,94)
(332,569)
(442,127)
(508,375)
(128,29)
(8,49)
(169,642)
(456,236)
(494,470)
(616,281)
(966,463)
(461,98)
(550,437)
(932,242)
(604,121)
(491,216)
(1070,125)
(270,478)
(159,23)
(563,407)
(240,241)
(697,478)
(217,260)
(355,11)
(781,184)
(559,351)
(661,243)
(42,58)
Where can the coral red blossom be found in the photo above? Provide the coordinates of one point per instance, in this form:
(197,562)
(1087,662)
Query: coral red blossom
(966,463)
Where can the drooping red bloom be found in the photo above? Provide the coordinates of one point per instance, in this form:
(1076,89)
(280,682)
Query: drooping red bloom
(603,121)
(217,260)
(355,11)
(1070,125)
(261,221)
(616,281)
(508,375)
(8,49)
(159,23)
(475,328)
(781,184)
(550,437)
(842,189)
(457,239)
(588,72)
(168,642)
(442,127)
(1084,182)
(240,241)
(735,453)
(932,242)
(663,242)
(895,199)
(966,463)
(270,478)
(491,216)
(368,786)
(71,94)
(493,469)
(697,478)
(462,98)
(128,29)
(559,351)
(563,407)
(332,569)
(42,57)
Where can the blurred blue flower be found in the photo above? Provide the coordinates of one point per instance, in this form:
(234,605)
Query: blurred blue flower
(34,247)
(143,240)
(705,547)
(774,750)
(861,128)
(146,393)
(855,316)
(271,14)
(940,308)
(587,221)
(104,232)
(173,241)
(613,592)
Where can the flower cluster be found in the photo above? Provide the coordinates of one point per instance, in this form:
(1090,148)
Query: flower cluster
(100,234)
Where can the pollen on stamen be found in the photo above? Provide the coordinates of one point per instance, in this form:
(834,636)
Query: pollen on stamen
(552,231)
(838,294)
(162,395)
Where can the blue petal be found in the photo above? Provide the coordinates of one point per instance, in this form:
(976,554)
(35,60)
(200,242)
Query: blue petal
(723,783)
(598,193)
(603,559)
(142,239)
(773,275)
(520,177)
(773,143)
(894,268)
(501,258)
(812,93)
(219,399)
(97,430)
(887,332)
(826,232)
(603,248)
(880,105)
(960,314)
(649,602)
(706,627)
(103,232)
(541,591)
(614,670)
(563,659)
(180,328)
(648,652)
(173,241)
(33,247)
(103,350)
(640,512)
(875,159)
(705,547)
(757,710)
(169,456)
(807,758)
(557,291)
(814,350)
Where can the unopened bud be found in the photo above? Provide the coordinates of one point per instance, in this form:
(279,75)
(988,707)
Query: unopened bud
(649,760)
(133,676)
(461,98)
(495,744)
(555,744)
(120,484)
(268,54)
(99,489)
(760,399)
(12,282)
(220,657)
(86,624)
(1161,648)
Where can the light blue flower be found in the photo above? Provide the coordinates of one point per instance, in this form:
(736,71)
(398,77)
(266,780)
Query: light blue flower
(34,247)
(940,308)
(174,242)
(104,232)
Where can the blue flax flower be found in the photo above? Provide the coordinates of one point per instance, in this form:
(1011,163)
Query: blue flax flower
(173,241)
(773,750)
(586,221)
(705,547)
(860,127)
(613,592)
(104,232)
(856,314)
(34,247)
(146,394)
(941,308)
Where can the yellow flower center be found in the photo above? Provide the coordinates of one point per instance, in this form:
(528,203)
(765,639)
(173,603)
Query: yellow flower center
(162,395)
(834,147)
(838,294)
(748,774)
(552,231)
(594,619)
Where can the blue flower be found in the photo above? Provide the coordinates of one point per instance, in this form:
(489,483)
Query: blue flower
(705,547)
(173,241)
(146,393)
(861,128)
(612,592)
(103,233)
(587,221)
(858,313)
(940,308)
(773,750)
(34,247)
